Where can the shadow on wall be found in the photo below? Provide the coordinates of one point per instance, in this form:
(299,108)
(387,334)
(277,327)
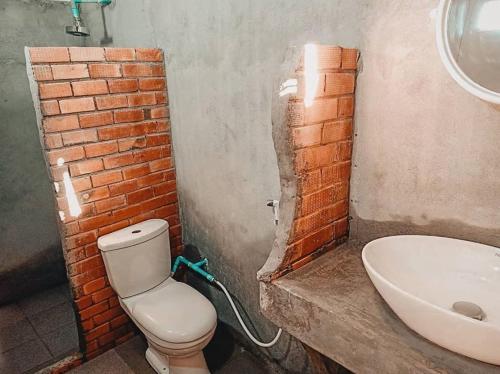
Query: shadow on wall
(43,268)
(367,230)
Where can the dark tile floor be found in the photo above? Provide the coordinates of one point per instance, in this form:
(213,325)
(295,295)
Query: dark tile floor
(37,331)
(223,356)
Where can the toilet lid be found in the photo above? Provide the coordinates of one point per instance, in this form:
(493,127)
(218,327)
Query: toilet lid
(176,313)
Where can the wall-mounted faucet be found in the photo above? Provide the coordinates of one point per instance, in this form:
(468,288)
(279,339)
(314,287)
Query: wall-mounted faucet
(78,28)
(275,204)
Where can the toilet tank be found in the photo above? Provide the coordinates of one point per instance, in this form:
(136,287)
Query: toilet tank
(137,258)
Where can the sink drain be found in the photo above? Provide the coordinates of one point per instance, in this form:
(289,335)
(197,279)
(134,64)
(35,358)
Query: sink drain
(469,309)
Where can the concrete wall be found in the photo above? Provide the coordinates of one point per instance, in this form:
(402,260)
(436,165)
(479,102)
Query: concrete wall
(426,154)
(30,253)
(222,57)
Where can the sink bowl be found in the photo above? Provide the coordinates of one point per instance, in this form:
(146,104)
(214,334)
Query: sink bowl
(422,277)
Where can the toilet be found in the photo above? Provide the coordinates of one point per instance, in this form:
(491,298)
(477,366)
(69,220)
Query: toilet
(177,320)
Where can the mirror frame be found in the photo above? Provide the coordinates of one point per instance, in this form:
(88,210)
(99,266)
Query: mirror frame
(449,62)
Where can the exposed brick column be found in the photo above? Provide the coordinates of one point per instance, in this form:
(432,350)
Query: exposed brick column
(104,124)
(321,141)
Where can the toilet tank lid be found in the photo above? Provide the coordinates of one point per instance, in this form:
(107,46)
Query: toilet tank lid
(132,235)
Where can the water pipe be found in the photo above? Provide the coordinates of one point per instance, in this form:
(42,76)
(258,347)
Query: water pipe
(78,28)
(197,267)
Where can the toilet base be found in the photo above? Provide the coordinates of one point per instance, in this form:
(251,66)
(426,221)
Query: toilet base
(162,364)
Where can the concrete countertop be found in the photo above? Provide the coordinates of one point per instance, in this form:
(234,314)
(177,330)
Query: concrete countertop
(331,305)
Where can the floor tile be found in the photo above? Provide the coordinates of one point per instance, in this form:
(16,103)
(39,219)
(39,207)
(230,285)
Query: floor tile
(42,301)
(242,362)
(62,341)
(9,314)
(132,352)
(15,334)
(107,363)
(27,356)
(53,318)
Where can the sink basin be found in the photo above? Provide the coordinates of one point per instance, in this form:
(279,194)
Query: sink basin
(422,277)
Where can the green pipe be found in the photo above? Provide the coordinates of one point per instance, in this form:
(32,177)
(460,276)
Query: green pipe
(196,267)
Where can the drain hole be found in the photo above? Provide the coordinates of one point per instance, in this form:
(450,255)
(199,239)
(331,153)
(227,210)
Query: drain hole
(469,309)
(136,231)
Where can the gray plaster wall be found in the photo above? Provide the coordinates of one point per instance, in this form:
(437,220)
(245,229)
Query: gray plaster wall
(426,155)
(30,252)
(222,58)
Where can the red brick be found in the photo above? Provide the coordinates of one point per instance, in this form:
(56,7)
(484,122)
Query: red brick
(147,154)
(83,104)
(116,161)
(315,201)
(130,115)
(336,131)
(80,279)
(341,227)
(161,98)
(119,321)
(157,139)
(128,212)
(50,108)
(315,241)
(98,193)
(307,136)
(86,167)
(53,141)
(344,151)
(336,173)
(161,164)
(120,54)
(80,240)
(140,196)
(96,119)
(97,332)
(123,85)
(49,54)
(66,154)
(91,249)
(86,54)
(73,71)
(152,84)
(81,184)
(339,83)
(123,187)
(83,302)
(321,110)
(92,87)
(106,178)
(42,73)
(97,221)
(78,137)
(143,128)
(75,255)
(71,228)
(115,132)
(159,112)
(53,90)
(113,227)
(163,125)
(85,265)
(109,204)
(156,202)
(111,102)
(329,57)
(149,54)
(62,123)
(94,309)
(105,70)
(101,149)
(311,158)
(164,188)
(349,58)
(151,179)
(131,143)
(108,315)
(346,106)
(143,70)
(310,182)
(87,326)
(337,211)
(142,99)
(135,171)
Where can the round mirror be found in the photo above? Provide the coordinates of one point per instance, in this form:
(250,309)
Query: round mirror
(468,38)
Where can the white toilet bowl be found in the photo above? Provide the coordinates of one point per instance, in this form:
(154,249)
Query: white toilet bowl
(177,320)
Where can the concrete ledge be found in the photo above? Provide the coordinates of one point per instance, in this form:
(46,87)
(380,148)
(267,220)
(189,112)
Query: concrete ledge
(331,305)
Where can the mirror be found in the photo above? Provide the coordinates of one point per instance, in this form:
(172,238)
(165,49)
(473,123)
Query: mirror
(468,38)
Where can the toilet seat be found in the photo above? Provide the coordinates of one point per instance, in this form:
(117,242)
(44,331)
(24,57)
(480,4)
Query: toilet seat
(173,313)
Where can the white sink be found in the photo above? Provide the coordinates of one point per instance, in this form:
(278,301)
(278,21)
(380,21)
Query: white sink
(421,277)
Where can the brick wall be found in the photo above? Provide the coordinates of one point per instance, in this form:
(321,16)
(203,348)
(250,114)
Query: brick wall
(321,139)
(104,125)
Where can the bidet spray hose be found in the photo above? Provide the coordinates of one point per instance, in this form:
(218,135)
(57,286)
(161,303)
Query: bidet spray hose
(197,267)
(240,320)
